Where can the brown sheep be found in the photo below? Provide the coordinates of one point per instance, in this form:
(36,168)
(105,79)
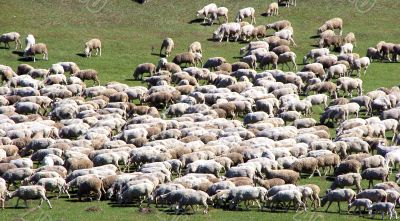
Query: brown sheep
(74,163)
(144,68)
(335,41)
(38,48)
(289,176)
(279,25)
(281,49)
(158,98)
(24,69)
(188,58)
(224,67)
(240,65)
(119,97)
(348,166)
(334,23)
(88,74)
(259,31)
(241,181)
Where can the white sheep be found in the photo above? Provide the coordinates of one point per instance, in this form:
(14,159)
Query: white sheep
(315,53)
(285,34)
(54,183)
(167,44)
(221,12)
(273,9)
(207,10)
(346,48)
(244,13)
(287,57)
(29,41)
(92,44)
(358,203)
(383,207)
(28,193)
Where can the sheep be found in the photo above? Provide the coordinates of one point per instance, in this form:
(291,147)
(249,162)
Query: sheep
(11,36)
(279,25)
(38,48)
(244,13)
(188,197)
(378,173)
(273,9)
(396,52)
(358,203)
(195,47)
(289,176)
(88,74)
(332,24)
(221,12)
(269,58)
(347,85)
(17,174)
(141,190)
(188,58)
(348,166)
(335,41)
(144,68)
(24,69)
(315,53)
(346,48)
(308,164)
(227,30)
(29,41)
(375,195)
(288,57)
(209,9)
(86,186)
(167,44)
(338,195)
(348,179)
(92,44)
(360,63)
(258,31)
(285,34)
(383,207)
(316,68)
(350,38)
(251,60)
(373,53)
(373,161)
(28,193)
(292,195)
(51,184)
(304,123)
(71,67)
(214,62)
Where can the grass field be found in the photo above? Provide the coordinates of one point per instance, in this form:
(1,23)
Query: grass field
(129,31)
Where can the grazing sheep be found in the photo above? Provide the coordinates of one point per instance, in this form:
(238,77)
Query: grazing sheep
(38,48)
(346,48)
(291,195)
(9,37)
(209,9)
(332,24)
(315,53)
(350,38)
(285,34)
(244,13)
(227,30)
(375,195)
(88,74)
(92,44)
(28,193)
(188,58)
(336,41)
(168,45)
(144,68)
(195,47)
(373,54)
(307,164)
(289,176)
(360,63)
(55,183)
(279,25)
(221,12)
(273,9)
(348,166)
(267,59)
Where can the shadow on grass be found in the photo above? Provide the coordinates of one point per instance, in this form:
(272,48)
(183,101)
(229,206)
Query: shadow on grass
(158,55)
(19,53)
(26,59)
(81,55)
(196,20)
(314,36)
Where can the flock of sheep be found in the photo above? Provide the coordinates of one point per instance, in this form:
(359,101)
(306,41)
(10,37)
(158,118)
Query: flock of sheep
(184,145)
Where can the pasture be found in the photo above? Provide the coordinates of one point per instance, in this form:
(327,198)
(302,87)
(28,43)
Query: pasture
(132,33)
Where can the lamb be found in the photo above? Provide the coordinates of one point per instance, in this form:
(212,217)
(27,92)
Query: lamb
(28,193)
(273,9)
(279,25)
(92,44)
(288,57)
(348,179)
(338,195)
(378,173)
(88,74)
(29,41)
(346,48)
(244,13)
(168,45)
(11,36)
(188,58)
(358,203)
(144,68)
(209,9)
(38,48)
(332,24)
(315,53)
(383,207)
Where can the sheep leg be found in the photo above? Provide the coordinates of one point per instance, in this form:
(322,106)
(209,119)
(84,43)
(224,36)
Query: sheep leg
(338,203)
(16,205)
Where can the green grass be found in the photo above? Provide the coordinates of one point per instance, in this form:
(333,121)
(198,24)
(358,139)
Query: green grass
(128,32)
